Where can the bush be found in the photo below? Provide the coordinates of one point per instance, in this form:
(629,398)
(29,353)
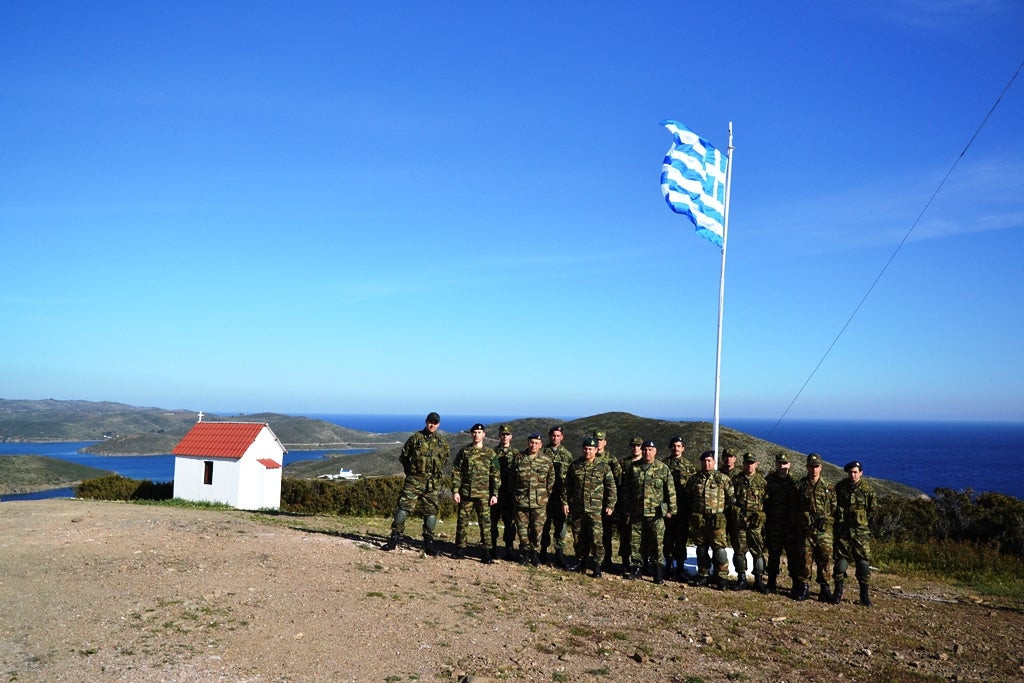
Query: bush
(116,487)
(373,497)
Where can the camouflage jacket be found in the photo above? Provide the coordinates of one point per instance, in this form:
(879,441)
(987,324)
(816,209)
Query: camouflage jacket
(533,480)
(562,457)
(589,487)
(750,498)
(780,500)
(649,490)
(476,473)
(816,505)
(505,456)
(681,469)
(854,505)
(614,465)
(424,456)
(709,493)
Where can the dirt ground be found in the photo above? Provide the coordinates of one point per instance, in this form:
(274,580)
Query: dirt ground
(122,592)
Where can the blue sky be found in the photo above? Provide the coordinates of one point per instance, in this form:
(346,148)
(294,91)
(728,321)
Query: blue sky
(402,207)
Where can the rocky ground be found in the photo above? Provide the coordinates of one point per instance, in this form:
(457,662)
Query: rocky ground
(112,591)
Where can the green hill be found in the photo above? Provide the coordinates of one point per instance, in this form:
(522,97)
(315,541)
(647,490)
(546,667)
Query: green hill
(28,473)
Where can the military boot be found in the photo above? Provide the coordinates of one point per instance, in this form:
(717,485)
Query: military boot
(760,585)
(510,553)
(543,556)
(488,557)
(459,554)
(560,560)
(837,594)
(534,559)
(824,594)
(597,571)
(659,574)
(741,583)
(773,586)
(865,597)
(801,591)
(392,541)
(700,580)
(429,548)
(524,556)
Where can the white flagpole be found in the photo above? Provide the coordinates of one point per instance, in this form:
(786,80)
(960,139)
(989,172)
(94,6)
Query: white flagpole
(721,296)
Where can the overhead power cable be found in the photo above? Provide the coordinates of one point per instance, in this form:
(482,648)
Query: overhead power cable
(899,246)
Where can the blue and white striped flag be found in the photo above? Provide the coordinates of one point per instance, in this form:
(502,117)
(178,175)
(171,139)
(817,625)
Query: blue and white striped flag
(693,181)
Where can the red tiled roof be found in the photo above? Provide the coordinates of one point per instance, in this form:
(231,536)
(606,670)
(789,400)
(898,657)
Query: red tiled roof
(219,439)
(268,463)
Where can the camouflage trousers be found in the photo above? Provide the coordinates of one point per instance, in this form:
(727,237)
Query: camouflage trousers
(648,538)
(746,539)
(506,514)
(780,539)
(556,527)
(677,530)
(852,546)
(530,526)
(817,551)
(624,528)
(468,506)
(419,494)
(586,530)
(710,539)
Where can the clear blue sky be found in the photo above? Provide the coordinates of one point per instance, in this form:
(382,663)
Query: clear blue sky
(403,207)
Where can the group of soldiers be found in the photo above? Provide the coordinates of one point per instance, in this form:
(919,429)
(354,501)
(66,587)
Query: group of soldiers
(655,507)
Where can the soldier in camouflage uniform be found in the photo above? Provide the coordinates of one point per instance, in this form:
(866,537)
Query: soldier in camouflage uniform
(855,501)
(424,457)
(727,466)
(710,495)
(589,498)
(533,476)
(505,509)
(476,479)
(677,528)
(556,525)
(816,509)
(621,514)
(780,527)
(651,496)
(608,522)
(749,488)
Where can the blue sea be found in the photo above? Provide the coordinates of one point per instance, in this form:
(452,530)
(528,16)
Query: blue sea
(925,455)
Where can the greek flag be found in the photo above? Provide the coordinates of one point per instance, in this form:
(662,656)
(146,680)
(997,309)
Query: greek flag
(693,181)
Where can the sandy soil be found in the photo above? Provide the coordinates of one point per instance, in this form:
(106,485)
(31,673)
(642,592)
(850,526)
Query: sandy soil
(122,592)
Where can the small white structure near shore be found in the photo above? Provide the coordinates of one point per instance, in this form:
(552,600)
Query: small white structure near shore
(234,463)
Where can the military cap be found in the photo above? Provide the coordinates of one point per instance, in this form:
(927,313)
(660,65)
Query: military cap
(781,457)
(813,460)
(636,441)
(677,439)
(600,436)
(749,457)
(853,463)
(556,428)
(503,429)
(434,418)
(729,453)
(590,442)
(707,454)
(476,427)
(533,436)
(648,444)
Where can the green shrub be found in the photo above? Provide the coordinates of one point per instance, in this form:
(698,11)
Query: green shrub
(372,497)
(116,487)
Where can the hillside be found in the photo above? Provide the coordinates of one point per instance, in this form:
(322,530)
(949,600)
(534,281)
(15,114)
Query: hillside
(620,429)
(27,473)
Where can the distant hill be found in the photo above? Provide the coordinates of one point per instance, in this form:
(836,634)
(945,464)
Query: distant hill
(620,428)
(28,473)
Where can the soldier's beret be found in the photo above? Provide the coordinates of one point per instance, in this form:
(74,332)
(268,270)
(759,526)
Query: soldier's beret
(749,457)
(781,457)
(707,454)
(434,418)
(636,441)
(729,453)
(677,439)
(648,444)
(590,442)
(813,460)
(533,436)
(600,436)
(503,429)
(853,463)
(476,427)
(556,428)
